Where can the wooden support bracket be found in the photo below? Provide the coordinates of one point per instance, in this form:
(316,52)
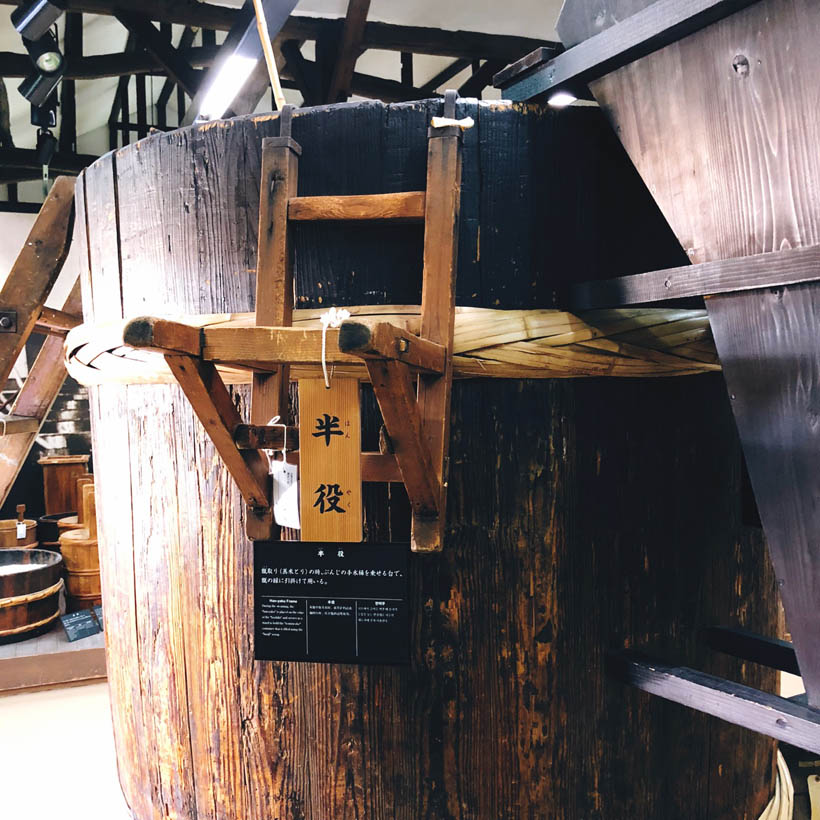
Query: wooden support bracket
(386,341)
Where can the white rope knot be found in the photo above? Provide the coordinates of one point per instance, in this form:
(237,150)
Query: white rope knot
(332,318)
(443,122)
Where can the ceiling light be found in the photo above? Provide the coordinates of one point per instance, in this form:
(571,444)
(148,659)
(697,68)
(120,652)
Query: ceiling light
(39,86)
(561,99)
(34,18)
(228,81)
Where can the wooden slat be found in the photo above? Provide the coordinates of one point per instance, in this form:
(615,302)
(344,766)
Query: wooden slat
(57,320)
(769,346)
(268,347)
(763,270)
(37,395)
(740,643)
(441,220)
(11,425)
(407,205)
(742,705)
(656,26)
(330,479)
(213,406)
(400,411)
(36,269)
(386,341)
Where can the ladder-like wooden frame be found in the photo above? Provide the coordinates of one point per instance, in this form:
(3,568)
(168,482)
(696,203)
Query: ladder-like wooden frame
(23,296)
(416,417)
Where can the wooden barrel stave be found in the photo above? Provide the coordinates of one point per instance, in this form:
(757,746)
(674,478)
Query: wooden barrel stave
(505,710)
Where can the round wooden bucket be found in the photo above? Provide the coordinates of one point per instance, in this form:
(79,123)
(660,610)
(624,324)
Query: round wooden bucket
(81,556)
(30,594)
(8,534)
(581,516)
(48,530)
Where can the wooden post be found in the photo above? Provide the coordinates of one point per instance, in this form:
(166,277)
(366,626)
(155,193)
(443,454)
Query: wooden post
(274,284)
(441,220)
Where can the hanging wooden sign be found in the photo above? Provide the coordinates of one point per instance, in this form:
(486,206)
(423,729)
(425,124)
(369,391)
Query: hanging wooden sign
(330,447)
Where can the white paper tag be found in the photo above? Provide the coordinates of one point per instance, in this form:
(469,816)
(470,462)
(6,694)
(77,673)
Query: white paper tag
(285,493)
(21,530)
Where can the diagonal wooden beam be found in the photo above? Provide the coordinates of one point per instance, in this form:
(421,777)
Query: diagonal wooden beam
(447,73)
(480,79)
(303,72)
(149,37)
(186,40)
(212,403)
(350,48)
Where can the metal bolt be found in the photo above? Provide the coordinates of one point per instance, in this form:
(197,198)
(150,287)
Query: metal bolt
(741,65)
(5,322)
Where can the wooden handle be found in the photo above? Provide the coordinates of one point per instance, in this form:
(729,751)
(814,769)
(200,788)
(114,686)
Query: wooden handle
(90,511)
(21,512)
(81,482)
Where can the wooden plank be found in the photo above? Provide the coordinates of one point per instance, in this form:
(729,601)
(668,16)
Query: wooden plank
(400,411)
(386,341)
(272,346)
(763,270)
(405,205)
(350,48)
(213,406)
(330,479)
(441,226)
(36,269)
(37,395)
(58,321)
(768,345)
(740,643)
(733,702)
(660,24)
(12,424)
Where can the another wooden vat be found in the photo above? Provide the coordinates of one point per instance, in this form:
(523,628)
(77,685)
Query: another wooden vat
(30,585)
(581,517)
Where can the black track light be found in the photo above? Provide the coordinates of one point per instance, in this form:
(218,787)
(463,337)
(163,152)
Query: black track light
(45,53)
(34,18)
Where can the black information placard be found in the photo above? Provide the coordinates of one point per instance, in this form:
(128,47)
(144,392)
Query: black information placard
(331,603)
(80,624)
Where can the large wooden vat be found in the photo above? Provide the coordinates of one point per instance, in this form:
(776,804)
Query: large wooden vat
(582,516)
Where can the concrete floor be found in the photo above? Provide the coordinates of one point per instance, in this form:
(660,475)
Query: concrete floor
(57,756)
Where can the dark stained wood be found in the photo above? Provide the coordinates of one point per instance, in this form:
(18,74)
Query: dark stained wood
(480,79)
(385,341)
(771,715)
(763,270)
(582,516)
(640,34)
(740,643)
(163,335)
(446,74)
(350,48)
(150,38)
(60,474)
(767,346)
(403,205)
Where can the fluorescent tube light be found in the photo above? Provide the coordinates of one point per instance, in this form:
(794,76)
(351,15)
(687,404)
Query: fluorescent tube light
(225,86)
(561,99)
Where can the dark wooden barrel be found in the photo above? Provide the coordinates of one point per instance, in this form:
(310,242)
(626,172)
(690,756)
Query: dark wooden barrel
(29,592)
(583,516)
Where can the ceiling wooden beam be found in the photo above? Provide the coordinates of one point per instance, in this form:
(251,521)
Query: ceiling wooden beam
(447,73)
(73,46)
(184,12)
(97,66)
(349,50)
(149,38)
(25,159)
(480,79)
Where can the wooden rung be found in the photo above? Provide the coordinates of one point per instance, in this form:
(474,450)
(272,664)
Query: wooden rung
(406,206)
(386,341)
(56,322)
(11,425)
(397,402)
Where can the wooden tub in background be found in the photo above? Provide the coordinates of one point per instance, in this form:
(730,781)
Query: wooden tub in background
(583,516)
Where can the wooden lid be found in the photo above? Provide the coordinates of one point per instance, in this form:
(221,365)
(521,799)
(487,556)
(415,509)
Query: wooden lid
(63,460)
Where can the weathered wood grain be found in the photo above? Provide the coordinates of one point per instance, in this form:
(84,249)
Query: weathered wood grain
(403,205)
(570,530)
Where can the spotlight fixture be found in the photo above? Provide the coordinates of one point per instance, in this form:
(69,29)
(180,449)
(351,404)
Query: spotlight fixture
(45,53)
(34,18)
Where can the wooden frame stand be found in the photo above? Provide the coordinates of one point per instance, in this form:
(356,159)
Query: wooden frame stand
(411,375)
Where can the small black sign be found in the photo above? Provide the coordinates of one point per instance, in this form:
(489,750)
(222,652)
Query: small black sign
(331,603)
(98,614)
(80,624)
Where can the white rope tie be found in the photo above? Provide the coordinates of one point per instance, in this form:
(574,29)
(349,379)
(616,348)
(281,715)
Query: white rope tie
(332,318)
(275,422)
